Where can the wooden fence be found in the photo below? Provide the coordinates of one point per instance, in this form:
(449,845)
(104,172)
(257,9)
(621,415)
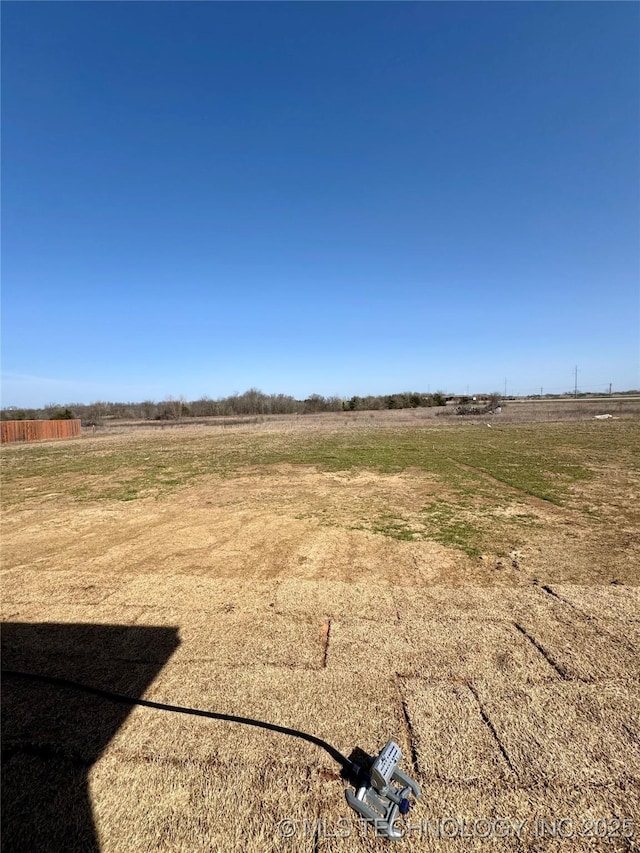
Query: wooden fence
(38,430)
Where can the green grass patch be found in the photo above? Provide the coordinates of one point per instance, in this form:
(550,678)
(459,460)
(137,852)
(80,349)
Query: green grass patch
(541,460)
(395,527)
(441,521)
(480,472)
(445,525)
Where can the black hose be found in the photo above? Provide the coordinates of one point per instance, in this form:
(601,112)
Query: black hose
(214,715)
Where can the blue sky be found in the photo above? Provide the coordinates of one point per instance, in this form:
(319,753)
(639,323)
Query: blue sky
(341,198)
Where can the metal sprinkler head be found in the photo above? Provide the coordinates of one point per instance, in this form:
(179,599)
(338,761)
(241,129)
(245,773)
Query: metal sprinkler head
(383,792)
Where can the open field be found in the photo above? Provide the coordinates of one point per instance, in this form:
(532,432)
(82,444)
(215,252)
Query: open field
(472,592)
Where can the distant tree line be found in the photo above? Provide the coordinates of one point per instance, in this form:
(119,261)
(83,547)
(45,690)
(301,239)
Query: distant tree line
(252,402)
(255,402)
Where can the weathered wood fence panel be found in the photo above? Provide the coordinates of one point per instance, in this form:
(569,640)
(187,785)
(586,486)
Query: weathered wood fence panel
(38,430)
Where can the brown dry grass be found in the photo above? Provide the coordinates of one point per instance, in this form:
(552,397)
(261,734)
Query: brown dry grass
(510,680)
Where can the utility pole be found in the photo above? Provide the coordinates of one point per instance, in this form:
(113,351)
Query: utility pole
(610,389)
(505,386)
(575,389)
(541,390)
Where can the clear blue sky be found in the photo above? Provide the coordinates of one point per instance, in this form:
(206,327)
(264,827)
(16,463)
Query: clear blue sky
(341,198)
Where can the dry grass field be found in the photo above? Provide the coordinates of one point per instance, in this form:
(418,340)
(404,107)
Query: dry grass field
(471,592)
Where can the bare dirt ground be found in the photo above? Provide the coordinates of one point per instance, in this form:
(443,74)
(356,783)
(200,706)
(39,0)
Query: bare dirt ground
(316,596)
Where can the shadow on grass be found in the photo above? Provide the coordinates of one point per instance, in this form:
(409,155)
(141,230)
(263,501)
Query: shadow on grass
(51,736)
